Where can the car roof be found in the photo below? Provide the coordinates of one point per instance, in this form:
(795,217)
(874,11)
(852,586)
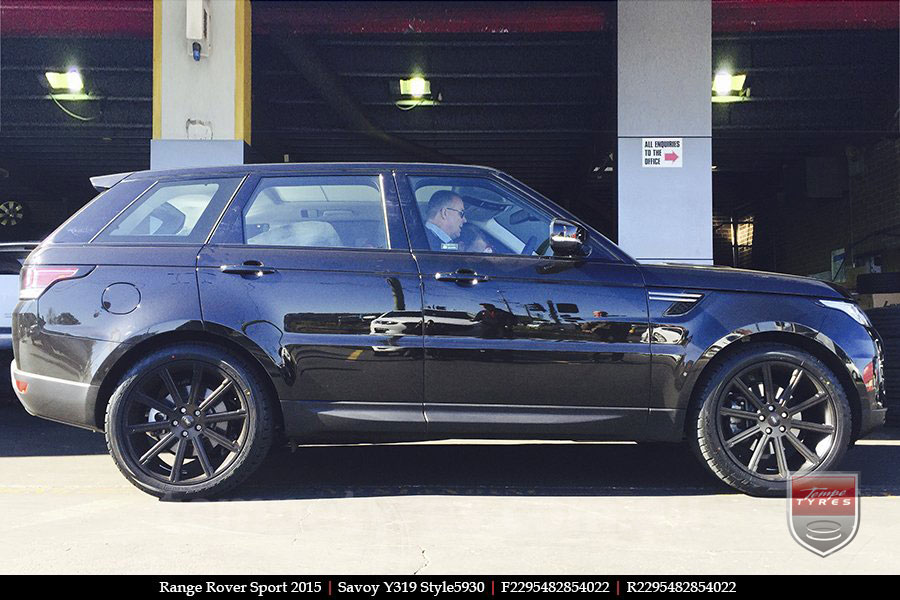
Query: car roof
(318,168)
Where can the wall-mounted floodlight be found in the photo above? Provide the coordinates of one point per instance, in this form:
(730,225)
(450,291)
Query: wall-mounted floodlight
(413,92)
(727,87)
(416,87)
(68,86)
(70,80)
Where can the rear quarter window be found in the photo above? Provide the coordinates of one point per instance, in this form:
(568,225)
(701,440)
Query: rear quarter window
(81,227)
(174,212)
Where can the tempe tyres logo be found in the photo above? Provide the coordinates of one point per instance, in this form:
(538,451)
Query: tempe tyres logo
(823,511)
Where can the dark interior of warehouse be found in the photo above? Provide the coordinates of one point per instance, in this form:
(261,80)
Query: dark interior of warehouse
(805,165)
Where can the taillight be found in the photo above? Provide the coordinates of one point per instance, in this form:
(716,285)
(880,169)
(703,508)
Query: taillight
(34,280)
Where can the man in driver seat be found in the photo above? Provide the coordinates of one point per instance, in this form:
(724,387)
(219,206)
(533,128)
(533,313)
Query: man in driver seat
(444,217)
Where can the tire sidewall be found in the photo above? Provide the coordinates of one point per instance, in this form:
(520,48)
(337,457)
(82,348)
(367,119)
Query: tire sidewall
(258,429)
(707,440)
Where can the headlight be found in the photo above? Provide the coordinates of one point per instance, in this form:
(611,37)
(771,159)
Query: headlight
(849,308)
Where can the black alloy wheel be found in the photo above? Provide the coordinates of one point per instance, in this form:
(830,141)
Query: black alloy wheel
(189,421)
(770,413)
(12,213)
(775,419)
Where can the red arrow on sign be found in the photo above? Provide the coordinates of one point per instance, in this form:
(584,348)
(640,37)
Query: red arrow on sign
(671,156)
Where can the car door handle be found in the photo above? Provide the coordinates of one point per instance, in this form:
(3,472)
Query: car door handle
(250,267)
(461,276)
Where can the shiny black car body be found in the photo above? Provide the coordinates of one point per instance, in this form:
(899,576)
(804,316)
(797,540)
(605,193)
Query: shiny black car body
(384,338)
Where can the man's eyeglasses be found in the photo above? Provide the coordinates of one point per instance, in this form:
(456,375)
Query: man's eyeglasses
(462,213)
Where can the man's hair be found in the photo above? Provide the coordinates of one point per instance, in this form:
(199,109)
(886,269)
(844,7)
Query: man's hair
(440,199)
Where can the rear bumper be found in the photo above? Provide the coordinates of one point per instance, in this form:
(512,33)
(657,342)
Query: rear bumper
(56,399)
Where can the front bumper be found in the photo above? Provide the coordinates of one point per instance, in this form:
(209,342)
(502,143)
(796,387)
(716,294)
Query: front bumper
(61,400)
(871,389)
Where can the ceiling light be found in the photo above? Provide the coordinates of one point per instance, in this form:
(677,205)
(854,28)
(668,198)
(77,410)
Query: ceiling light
(727,87)
(414,102)
(413,92)
(416,87)
(722,83)
(70,80)
(71,97)
(728,99)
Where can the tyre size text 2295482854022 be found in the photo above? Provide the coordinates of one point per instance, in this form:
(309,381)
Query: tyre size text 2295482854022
(199,316)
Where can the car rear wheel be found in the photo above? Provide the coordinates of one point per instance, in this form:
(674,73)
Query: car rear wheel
(767,413)
(189,421)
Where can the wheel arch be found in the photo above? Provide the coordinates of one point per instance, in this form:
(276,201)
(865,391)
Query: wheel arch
(818,345)
(247,351)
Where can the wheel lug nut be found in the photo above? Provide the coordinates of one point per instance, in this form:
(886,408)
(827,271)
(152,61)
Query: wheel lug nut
(784,415)
(184,434)
(768,430)
(197,413)
(781,429)
(762,417)
(183,410)
(199,428)
(174,423)
(771,408)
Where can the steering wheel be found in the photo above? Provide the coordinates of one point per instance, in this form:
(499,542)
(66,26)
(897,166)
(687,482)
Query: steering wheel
(530,245)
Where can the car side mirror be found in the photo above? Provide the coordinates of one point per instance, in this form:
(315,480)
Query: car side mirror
(567,238)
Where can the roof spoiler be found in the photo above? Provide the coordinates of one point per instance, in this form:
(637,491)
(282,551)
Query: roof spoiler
(104,182)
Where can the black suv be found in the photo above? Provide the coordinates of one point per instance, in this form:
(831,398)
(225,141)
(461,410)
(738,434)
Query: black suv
(198,316)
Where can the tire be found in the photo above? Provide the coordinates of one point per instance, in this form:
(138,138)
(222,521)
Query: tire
(217,436)
(740,449)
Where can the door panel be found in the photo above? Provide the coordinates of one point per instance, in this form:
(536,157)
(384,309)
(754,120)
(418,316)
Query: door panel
(538,331)
(326,317)
(346,322)
(517,343)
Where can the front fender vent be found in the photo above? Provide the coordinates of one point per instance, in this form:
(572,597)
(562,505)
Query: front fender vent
(680,302)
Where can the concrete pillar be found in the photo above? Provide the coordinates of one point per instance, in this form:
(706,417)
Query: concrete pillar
(201,108)
(664,90)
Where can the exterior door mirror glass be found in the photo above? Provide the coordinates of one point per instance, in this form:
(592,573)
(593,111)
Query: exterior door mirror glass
(567,238)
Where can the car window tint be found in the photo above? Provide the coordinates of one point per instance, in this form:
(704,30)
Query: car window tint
(331,212)
(496,221)
(172,212)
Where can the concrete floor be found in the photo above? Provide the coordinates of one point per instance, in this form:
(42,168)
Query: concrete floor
(452,507)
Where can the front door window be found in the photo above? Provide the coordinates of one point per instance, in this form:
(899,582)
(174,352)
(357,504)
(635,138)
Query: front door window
(474,215)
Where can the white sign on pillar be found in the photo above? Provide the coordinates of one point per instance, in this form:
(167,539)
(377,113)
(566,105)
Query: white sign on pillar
(660,153)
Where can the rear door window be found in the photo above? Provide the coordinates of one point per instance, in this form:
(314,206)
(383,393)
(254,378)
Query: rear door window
(343,211)
(173,212)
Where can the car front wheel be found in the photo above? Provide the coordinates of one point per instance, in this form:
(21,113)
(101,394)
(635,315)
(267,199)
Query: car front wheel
(767,413)
(189,421)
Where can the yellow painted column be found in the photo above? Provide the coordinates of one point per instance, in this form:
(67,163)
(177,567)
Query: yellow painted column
(242,71)
(201,82)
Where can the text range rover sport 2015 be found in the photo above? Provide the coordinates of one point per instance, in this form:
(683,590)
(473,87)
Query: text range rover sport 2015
(198,316)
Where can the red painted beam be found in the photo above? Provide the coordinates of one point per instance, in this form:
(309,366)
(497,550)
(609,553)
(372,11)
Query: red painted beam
(121,18)
(81,18)
(431,17)
(803,15)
